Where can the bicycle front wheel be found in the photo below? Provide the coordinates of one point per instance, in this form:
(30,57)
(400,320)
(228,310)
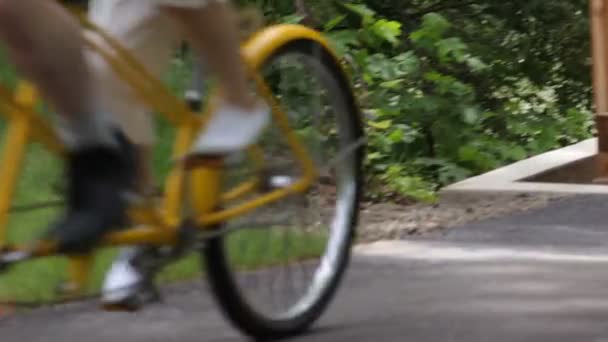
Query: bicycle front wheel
(274,275)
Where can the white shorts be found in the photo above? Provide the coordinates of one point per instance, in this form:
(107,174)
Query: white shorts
(152,37)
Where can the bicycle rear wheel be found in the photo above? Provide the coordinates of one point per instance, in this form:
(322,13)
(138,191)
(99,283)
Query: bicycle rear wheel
(274,276)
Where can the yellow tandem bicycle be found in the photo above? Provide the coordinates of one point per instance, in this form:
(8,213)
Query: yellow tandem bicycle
(303,185)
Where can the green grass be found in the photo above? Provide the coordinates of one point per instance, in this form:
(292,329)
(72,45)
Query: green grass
(30,280)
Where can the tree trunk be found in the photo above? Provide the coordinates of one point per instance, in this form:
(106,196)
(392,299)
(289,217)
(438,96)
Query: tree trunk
(302,9)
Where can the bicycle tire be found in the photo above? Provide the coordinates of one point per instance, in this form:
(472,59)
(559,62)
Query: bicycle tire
(221,278)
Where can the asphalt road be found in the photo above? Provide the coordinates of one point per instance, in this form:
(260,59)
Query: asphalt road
(539,276)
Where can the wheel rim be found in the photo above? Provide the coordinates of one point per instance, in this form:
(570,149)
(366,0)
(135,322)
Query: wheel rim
(335,154)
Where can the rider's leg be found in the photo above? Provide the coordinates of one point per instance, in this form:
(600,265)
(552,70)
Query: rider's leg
(152,38)
(211,27)
(47,46)
(44,42)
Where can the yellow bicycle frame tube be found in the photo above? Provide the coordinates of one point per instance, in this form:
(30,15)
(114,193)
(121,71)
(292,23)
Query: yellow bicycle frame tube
(158,226)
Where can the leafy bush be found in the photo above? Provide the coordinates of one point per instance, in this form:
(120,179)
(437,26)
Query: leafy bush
(454,88)
(428,120)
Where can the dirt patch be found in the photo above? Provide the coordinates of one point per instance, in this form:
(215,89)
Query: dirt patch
(393,221)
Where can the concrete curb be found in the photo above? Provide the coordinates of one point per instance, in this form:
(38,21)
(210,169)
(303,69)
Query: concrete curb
(511,179)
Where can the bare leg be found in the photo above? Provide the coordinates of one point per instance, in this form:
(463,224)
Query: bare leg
(45,42)
(47,46)
(213,31)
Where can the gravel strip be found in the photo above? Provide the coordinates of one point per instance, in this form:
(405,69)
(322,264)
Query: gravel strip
(392,222)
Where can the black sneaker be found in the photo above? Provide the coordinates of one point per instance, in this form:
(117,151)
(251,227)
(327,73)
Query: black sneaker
(99,179)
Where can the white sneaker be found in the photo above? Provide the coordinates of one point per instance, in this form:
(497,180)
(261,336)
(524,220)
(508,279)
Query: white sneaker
(232,129)
(123,280)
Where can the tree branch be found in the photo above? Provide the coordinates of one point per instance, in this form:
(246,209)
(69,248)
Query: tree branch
(302,9)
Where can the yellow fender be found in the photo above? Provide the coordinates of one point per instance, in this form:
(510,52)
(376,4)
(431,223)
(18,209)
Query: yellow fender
(264,43)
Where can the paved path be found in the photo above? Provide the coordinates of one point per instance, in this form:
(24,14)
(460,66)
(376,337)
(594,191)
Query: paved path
(540,276)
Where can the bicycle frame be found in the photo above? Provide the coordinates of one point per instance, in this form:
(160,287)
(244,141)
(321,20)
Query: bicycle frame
(161,224)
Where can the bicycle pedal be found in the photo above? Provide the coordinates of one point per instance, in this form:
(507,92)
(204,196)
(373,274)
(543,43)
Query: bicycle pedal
(135,302)
(9,256)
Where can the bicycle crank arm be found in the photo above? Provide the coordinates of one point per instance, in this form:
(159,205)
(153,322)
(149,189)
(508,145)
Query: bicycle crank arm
(10,256)
(9,259)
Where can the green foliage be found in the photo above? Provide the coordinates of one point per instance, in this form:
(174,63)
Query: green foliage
(440,106)
(453,88)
